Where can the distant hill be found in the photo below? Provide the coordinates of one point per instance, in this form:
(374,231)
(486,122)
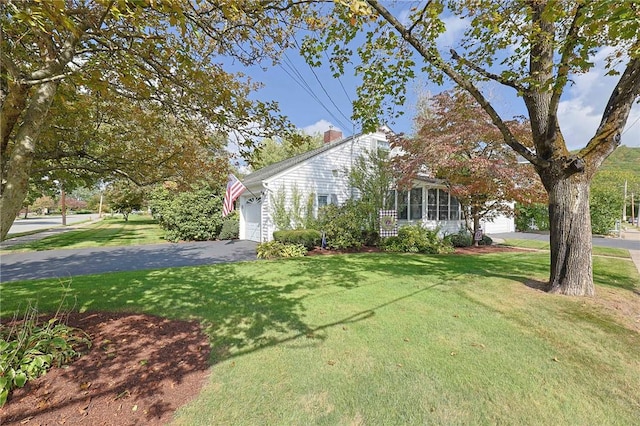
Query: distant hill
(623,159)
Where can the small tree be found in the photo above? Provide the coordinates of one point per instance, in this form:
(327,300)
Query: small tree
(458,143)
(124,197)
(372,175)
(272,150)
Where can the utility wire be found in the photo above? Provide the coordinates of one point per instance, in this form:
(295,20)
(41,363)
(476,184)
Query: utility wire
(323,88)
(299,79)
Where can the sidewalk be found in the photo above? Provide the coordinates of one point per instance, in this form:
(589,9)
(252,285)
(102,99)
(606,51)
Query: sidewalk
(633,235)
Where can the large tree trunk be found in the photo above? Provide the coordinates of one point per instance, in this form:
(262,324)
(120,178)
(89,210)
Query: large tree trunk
(570,237)
(18,168)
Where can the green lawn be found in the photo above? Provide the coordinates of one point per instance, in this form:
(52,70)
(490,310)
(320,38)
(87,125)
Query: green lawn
(389,339)
(139,229)
(544,245)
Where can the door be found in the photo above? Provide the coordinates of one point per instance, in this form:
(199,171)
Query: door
(253,218)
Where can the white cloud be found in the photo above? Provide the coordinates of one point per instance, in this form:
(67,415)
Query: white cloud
(582,106)
(455,28)
(319,127)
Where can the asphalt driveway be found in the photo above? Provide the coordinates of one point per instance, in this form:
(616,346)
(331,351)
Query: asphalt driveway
(67,263)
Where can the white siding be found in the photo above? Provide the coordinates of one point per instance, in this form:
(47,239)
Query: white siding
(326,174)
(323,174)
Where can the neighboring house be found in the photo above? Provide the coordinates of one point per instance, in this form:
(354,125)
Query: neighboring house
(320,174)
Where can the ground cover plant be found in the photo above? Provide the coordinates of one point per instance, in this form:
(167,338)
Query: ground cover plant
(111,231)
(390,338)
(28,349)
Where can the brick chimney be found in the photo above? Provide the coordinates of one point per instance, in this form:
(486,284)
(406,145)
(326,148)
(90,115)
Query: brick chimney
(332,135)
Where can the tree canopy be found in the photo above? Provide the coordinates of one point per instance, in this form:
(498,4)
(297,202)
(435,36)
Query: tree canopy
(155,60)
(272,150)
(456,142)
(531,47)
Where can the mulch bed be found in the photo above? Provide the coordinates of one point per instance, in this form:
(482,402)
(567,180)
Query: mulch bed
(139,370)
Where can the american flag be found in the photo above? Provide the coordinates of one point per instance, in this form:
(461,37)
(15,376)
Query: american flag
(234,189)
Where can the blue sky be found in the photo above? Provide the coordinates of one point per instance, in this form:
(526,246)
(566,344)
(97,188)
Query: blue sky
(314,100)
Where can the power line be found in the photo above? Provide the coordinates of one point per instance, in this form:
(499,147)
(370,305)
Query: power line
(297,77)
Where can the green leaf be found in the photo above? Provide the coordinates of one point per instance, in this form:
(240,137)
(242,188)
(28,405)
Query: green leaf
(20,380)
(4,393)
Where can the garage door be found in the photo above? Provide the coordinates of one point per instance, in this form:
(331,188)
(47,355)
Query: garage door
(499,225)
(252,214)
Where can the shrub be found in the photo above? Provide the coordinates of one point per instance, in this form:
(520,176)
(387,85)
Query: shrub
(462,239)
(28,350)
(307,237)
(486,241)
(416,239)
(276,250)
(187,216)
(230,229)
(344,225)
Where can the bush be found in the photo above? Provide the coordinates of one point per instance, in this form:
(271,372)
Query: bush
(344,225)
(230,229)
(276,250)
(187,216)
(533,217)
(28,350)
(309,238)
(486,241)
(462,239)
(416,239)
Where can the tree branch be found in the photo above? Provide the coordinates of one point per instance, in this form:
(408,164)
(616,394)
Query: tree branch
(615,115)
(571,40)
(491,76)
(433,56)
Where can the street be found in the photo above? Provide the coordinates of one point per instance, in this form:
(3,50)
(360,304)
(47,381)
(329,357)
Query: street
(630,240)
(47,222)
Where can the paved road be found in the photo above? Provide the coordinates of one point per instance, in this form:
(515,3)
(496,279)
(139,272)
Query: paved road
(46,222)
(630,240)
(66,263)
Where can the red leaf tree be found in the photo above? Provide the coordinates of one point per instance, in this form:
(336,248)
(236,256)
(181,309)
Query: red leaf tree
(457,142)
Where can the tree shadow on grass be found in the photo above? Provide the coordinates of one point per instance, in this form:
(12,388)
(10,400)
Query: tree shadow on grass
(260,304)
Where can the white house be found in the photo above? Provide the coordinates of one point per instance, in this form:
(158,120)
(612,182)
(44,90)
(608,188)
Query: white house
(319,173)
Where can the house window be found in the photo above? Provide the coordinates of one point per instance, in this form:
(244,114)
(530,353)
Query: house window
(415,203)
(382,145)
(403,205)
(408,203)
(324,199)
(442,206)
(432,204)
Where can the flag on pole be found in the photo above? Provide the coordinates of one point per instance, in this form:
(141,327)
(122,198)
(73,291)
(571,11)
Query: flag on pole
(234,189)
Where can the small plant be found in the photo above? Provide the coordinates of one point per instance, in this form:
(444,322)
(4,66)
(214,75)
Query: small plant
(29,349)
(485,241)
(276,250)
(416,239)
